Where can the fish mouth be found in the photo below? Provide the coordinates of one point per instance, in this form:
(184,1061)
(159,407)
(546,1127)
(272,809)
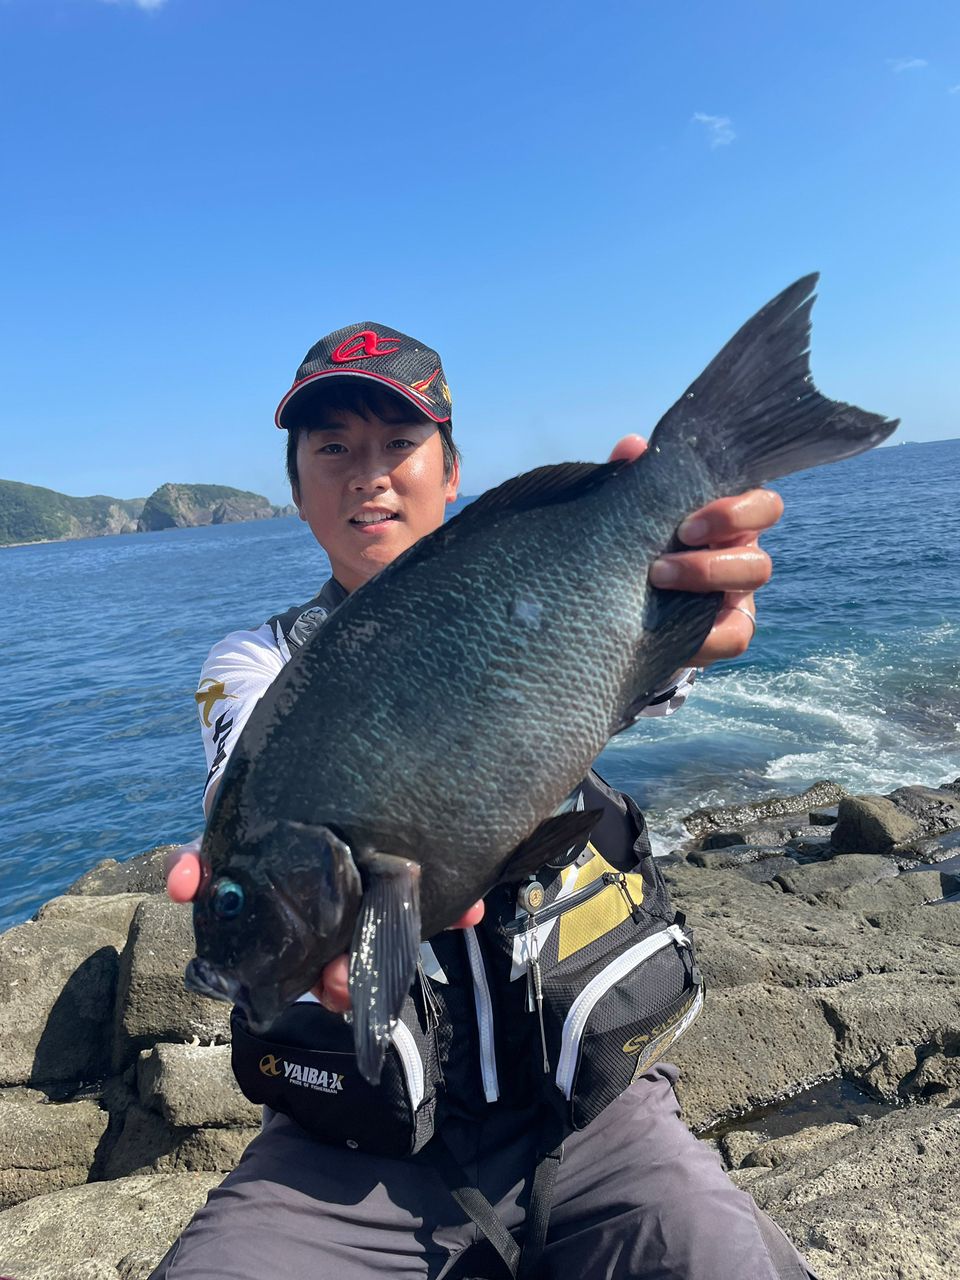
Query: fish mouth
(206,980)
(259,1011)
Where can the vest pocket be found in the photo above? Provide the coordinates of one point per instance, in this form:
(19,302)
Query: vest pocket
(626,1017)
(305,1067)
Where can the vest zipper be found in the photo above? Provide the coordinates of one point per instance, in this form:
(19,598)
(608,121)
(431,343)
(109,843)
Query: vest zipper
(410,1061)
(481,996)
(532,918)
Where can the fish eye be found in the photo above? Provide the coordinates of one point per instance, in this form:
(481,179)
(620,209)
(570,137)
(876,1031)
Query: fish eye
(228,899)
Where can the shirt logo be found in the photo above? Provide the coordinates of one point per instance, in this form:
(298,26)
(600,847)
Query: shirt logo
(362,346)
(208,695)
(269,1065)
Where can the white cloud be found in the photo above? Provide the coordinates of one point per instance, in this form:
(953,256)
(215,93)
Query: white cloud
(906,64)
(719,128)
(954,88)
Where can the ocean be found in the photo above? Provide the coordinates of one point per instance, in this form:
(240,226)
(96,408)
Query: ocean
(854,675)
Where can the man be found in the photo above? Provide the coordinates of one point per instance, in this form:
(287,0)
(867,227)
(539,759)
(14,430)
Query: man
(372,467)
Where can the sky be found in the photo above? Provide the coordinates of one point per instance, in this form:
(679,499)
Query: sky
(576,203)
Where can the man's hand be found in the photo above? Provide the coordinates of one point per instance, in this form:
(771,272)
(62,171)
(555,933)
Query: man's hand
(728,559)
(182,866)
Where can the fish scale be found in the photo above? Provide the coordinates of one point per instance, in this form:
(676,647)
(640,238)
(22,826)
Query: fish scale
(416,750)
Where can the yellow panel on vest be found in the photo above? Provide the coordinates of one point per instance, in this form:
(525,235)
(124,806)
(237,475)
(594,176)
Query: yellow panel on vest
(591,920)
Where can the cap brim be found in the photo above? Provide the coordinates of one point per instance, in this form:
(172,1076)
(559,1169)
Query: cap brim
(305,384)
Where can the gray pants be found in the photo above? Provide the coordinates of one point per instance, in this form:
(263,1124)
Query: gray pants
(636,1196)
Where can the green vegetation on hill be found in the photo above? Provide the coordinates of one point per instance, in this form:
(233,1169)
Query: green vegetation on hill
(29,513)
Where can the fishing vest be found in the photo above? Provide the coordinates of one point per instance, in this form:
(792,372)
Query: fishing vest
(574,983)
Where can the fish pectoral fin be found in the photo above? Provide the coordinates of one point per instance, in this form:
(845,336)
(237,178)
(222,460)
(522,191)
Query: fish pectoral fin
(383,959)
(557,835)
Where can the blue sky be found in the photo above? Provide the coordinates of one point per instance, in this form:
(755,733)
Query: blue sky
(576,203)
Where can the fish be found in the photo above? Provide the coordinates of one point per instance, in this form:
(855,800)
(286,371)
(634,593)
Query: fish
(418,749)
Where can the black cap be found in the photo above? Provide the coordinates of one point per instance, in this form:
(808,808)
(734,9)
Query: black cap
(375,351)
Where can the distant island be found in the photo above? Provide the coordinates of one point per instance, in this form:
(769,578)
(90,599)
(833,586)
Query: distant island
(29,513)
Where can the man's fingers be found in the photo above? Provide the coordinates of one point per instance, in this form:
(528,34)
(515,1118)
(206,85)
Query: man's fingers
(628,448)
(725,569)
(724,519)
(730,635)
(183,873)
(333,989)
(471,917)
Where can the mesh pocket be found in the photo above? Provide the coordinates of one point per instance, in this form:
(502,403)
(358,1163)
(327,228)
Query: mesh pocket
(619,1017)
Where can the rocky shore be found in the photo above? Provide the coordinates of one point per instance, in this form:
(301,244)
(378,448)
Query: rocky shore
(825,1069)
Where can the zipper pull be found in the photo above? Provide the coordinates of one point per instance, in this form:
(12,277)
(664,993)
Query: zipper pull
(535,994)
(624,888)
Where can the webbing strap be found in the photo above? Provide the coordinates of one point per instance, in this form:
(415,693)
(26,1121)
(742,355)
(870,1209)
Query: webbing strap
(514,1261)
(474,1204)
(538,1212)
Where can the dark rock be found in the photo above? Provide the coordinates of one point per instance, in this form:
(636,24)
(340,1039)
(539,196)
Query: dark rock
(733,817)
(934,810)
(732,856)
(870,824)
(767,870)
(141,874)
(824,817)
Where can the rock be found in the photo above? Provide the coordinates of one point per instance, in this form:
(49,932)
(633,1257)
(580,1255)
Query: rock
(181,506)
(108,1222)
(870,824)
(192,1085)
(767,870)
(740,855)
(825,878)
(152,1001)
(736,1145)
(877,1012)
(824,817)
(113,912)
(146,1143)
(934,810)
(58,977)
(141,874)
(45,1146)
(777,1151)
(884,1077)
(732,817)
(752,1046)
(874,1203)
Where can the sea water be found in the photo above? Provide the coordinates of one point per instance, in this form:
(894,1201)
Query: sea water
(854,675)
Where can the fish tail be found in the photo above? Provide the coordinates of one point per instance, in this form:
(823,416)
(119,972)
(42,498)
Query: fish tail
(754,413)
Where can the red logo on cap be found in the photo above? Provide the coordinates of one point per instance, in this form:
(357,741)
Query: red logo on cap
(361,346)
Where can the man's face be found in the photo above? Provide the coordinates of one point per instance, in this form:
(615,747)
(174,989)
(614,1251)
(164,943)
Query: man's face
(370,488)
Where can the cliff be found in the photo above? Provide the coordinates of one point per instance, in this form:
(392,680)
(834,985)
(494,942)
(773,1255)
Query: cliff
(180,506)
(29,513)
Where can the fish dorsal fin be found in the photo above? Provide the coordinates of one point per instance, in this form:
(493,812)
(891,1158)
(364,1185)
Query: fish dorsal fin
(560,482)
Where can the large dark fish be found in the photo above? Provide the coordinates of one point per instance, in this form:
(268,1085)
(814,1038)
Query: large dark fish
(418,749)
